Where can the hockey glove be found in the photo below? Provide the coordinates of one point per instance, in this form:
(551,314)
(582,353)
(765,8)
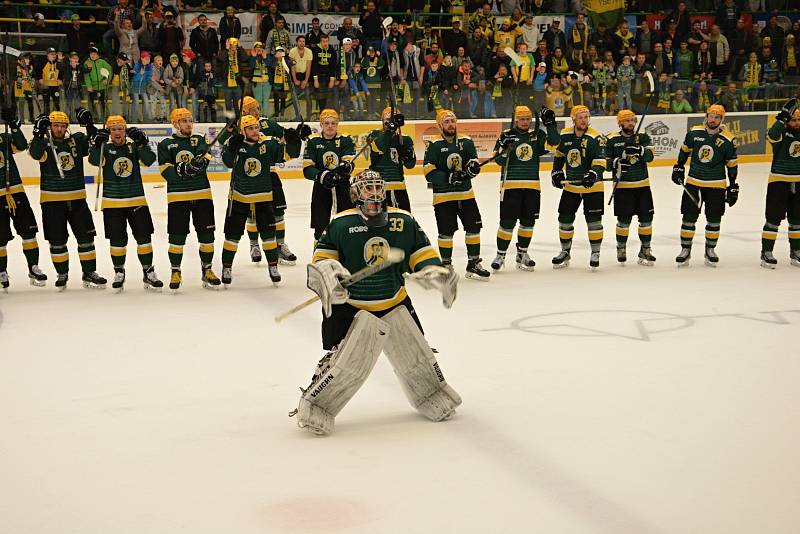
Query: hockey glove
(345,169)
(9,116)
(732,194)
(407,152)
(557,177)
(137,136)
(396,122)
(632,151)
(787,110)
(328,179)
(236,141)
(507,139)
(620,166)
(589,179)
(325,279)
(678,174)
(457,178)
(198,164)
(100,137)
(473,168)
(304,130)
(84,117)
(441,278)
(40,126)
(291,135)
(547,116)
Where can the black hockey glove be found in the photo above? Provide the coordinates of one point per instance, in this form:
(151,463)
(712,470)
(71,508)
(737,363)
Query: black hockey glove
(457,178)
(396,122)
(291,135)
(547,116)
(345,169)
(304,130)
(634,151)
(100,137)
(589,179)
(407,152)
(557,177)
(198,164)
(84,117)
(473,168)
(236,141)
(732,194)
(678,174)
(9,116)
(620,167)
(40,126)
(507,138)
(787,110)
(137,136)
(328,179)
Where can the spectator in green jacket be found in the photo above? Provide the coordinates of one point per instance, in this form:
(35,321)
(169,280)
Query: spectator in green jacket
(97,76)
(680,104)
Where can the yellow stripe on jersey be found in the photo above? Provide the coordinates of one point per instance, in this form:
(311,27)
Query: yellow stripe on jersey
(124,202)
(714,184)
(438,198)
(633,185)
(380,305)
(425,253)
(523,184)
(775,177)
(58,196)
(181,196)
(324,254)
(251,198)
(395,186)
(573,188)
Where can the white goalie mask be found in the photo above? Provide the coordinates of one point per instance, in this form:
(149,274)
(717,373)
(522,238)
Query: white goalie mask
(368,193)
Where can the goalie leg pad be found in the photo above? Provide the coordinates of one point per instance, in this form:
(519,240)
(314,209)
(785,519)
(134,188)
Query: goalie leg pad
(338,379)
(416,367)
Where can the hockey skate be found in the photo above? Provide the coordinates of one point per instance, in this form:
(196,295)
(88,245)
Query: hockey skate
(646,257)
(794,257)
(4,282)
(175,281)
(255,252)
(119,280)
(768,261)
(285,255)
(622,255)
(562,260)
(498,262)
(711,257)
(475,270)
(227,275)
(684,256)
(36,276)
(594,261)
(61,281)
(525,262)
(274,274)
(209,279)
(93,280)
(150,279)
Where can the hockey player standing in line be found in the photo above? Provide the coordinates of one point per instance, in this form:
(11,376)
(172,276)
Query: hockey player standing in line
(63,193)
(582,149)
(14,204)
(374,314)
(124,203)
(783,191)
(451,162)
(328,162)
(520,150)
(713,150)
(389,155)
(183,158)
(628,158)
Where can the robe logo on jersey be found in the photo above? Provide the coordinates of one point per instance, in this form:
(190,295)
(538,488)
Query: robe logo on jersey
(705,154)
(184,156)
(794,149)
(524,152)
(66,160)
(123,167)
(376,250)
(330,160)
(454,162)
(252,167)
(574,158)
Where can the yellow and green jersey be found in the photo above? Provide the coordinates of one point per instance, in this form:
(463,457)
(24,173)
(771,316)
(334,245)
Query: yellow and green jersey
(355,245)
(14,142)
(785,154)
(521,166)
(271,128)
(637,175)
(251,178)
(122,176)
(176,149)
(384,157)
(711,155)
(326,154)
(441,158)
(577,155)
(70,151)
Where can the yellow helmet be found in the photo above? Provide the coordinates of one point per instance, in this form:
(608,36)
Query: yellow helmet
(248,104)
(179,114)
(233,41)
(578,109)
(625,114)
(115,120)
(442,114)
(796,113)
(716,109)
(522,111)
(247,120)
(328,114)
(58,117)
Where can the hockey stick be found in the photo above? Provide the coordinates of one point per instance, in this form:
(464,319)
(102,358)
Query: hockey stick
(393,96)
(236,156)
(10,204)
(295,103)
(99,180)
(395,255)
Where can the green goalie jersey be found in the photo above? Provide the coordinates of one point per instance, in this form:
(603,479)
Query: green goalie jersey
(521,166)
(71,150)
(579,155)
(176,149)
(442,157)
(711,154)
(637,175)
(355,245)
(384,157)
(122,176)
(14,142)
(785,154)
(251,179)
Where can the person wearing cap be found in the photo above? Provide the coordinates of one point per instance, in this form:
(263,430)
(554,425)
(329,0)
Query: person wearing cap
(259,74)
(390,153)
(63,199)
(121,85)
(72,83)
(713,151)
(627,157)
(148,39)
(450,164)
(183,158)
(554,36)
(454,38)
(582,153)
(124,204)
(346,58)
(328,162)
(14,203)
(204,40)
(278,37)
(519,150)
(279,79)
(170,35)
(24,86)
(38,25)
(231,63)
(300,59)
(372,68)
(51,81)
(173,79)
(78,36)
(97,77)
(323,72)
(506,36)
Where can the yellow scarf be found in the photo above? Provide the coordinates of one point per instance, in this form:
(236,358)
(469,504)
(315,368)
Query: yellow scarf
(577,38)
(233,67)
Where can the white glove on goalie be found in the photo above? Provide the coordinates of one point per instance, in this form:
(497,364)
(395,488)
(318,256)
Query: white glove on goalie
(441,278)
(325,279)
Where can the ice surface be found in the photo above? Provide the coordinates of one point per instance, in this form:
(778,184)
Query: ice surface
(631,400)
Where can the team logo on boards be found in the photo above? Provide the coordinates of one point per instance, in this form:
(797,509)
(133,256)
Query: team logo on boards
(376,250)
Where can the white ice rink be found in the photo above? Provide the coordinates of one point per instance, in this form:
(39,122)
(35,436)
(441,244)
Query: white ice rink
(631,400)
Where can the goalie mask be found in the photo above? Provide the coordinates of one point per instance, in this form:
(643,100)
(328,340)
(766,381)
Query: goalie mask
(368,193)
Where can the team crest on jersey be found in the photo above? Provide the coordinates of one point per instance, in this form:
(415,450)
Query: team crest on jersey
(393,155)
(123,167)
(184,156)
(66,160)
(330,160)
(371,71)
(524,152)
(454,162)
(705,154)
(794,149)
(574,158)
(376,249)
(252,167)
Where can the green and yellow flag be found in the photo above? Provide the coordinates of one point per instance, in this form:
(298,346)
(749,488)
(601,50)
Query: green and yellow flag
(609,12)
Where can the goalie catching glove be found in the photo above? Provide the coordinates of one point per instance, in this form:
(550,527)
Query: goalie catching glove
(325,279)
(441,278)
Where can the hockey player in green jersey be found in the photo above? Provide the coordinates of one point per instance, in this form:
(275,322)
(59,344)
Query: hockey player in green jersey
(183,158)
(374,314)
(251,155)
(390,152)
(293,138)
(328,162)
(63,193)
(451,162)
(627,157)
(582,150)
(124,203)
(518,151)
(14,204)
(783,189)
(713,150)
